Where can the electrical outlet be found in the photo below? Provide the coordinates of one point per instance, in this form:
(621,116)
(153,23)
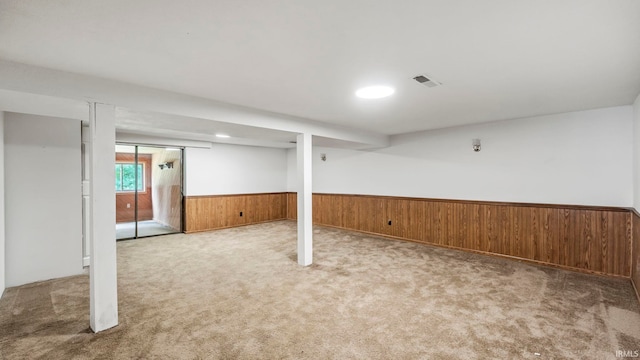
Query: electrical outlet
(128,206)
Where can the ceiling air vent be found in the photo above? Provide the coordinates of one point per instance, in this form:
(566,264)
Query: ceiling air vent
(426,81)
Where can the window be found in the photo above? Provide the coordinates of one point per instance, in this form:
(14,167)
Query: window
(126,177)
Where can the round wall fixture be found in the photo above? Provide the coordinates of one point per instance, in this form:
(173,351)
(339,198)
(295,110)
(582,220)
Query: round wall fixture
(375,92)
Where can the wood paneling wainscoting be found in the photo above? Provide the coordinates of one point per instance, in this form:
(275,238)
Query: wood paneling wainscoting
(292,206)
(635,253)
(589,239)
(204,213)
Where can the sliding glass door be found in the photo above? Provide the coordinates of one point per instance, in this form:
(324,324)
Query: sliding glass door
(148,183)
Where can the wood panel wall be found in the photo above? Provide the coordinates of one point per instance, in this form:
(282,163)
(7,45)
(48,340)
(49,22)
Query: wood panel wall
(145,203)
(292,206)
(590,239)
(222,211)
(635,252)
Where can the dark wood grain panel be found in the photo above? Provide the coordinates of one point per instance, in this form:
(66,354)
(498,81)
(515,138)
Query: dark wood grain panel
(622,230)
(590,239)
(438,225)
(192,218)
(260,207)
(236,211)
(400,215)
(552,235)
(366,214)
(416,220)
(254,202)
(635,261)
(428,224)
(292,206)
(503,233)
(566,237)
(277,206)
(448,224)
(350,211)
(222,211)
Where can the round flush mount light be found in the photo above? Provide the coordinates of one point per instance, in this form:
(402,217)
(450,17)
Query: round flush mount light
(223,136)
(374,92)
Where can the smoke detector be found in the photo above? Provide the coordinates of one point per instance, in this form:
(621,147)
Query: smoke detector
(426,81)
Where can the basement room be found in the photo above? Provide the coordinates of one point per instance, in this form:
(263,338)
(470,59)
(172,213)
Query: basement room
(329,179)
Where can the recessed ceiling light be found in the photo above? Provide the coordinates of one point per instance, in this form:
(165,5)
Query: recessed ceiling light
(374,92)
(224,136)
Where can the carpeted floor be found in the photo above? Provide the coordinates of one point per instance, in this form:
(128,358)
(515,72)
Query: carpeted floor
(239,294)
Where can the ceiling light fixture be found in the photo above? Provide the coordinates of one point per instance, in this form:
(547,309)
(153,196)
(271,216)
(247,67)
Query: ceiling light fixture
(223,136)
(374,92)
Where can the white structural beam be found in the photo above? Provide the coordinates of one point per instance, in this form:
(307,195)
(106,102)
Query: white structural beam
(43,105)
(146,139)
(19,77)
(305,198)
(103,267)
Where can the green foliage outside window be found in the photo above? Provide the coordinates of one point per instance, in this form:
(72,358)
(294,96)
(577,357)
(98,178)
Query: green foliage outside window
(126,177)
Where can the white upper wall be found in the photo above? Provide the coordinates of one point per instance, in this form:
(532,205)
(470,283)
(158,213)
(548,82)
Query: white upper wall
(636,154)
(235,169)
(43,198)
(581,158)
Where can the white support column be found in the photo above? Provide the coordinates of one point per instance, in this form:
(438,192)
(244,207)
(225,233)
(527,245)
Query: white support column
(103,267)
(305,218)
(2,190)
(86,198)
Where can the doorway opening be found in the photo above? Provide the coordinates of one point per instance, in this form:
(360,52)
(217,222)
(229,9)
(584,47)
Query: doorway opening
(148,184)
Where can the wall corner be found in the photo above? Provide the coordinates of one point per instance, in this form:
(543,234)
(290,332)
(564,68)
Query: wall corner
(635,218)
(2,230)
(636,154)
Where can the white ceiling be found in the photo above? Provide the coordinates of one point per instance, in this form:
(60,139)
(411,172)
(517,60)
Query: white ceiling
(498,59)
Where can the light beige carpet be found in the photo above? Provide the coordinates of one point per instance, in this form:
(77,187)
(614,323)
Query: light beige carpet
(239,294)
